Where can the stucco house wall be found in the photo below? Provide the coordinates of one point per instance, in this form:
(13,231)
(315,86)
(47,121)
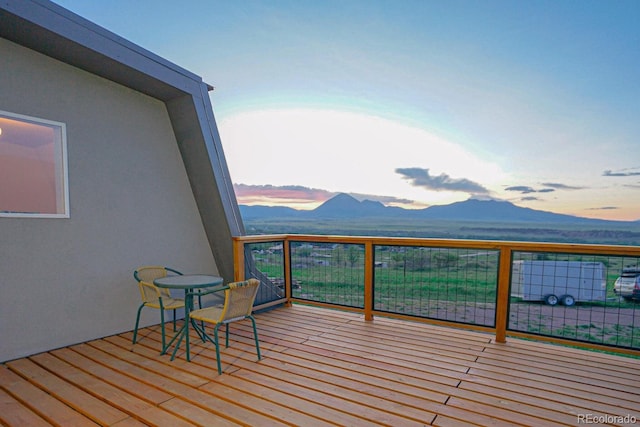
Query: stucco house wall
(68,280)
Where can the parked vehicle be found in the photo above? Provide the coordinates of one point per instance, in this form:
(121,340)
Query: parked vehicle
(564,282)
(627,285)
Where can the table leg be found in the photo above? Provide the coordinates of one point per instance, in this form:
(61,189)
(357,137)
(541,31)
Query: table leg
(178,334)
(181,335)
(184,331)
(188,299)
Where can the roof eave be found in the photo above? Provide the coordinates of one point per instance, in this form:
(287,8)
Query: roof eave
(60,34)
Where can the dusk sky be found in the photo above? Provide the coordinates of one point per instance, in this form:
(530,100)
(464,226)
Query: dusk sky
(413,103)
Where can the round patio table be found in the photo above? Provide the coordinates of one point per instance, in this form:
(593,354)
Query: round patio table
(188,283)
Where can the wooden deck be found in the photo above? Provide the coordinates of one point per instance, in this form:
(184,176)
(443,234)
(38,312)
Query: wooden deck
(321,367)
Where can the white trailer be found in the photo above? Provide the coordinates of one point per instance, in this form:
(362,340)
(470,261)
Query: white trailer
(553,282)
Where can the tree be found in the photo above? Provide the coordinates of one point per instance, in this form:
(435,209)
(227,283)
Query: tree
(353,255)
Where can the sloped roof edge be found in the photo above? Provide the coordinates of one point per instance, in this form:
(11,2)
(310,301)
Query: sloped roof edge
(54,31)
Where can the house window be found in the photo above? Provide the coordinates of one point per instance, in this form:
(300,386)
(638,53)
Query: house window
(33,167)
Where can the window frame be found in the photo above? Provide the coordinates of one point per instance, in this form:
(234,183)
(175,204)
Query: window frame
(61,166)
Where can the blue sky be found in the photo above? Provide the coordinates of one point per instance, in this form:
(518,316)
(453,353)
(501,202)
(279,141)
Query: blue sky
(413,103)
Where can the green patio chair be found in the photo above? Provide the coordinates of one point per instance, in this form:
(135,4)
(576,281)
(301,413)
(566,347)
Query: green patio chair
(155,297)
(238,305)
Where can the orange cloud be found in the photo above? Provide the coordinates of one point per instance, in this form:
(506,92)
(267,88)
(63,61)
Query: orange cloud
(299,197)
(294,196)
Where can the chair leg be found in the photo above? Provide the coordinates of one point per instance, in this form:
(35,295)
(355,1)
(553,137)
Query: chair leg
(162,328)
(174,320)
(215,336)
(226,336)
(255,336)
(135,330)
(200,306)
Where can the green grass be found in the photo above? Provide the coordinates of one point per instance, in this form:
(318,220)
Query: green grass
(626,233)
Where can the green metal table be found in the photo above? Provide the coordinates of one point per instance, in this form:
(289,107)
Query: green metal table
(189,283)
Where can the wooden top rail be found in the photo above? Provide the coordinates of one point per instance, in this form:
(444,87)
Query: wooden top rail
(576,248)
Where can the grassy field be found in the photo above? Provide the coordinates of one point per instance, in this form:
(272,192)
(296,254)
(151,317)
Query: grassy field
(624,233)
(440,273)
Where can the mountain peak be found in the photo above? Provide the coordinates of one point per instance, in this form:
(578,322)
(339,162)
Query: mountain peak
(342,198)
(343,205)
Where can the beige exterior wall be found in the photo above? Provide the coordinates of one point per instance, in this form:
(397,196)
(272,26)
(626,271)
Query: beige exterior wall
(130,204)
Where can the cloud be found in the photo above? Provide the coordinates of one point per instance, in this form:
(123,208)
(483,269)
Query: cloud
(521,189)
(622,172)
(559,186)
(604,208)
(550,188)
(419,177)
(283,191)
(287,195)
(387,200)
(300,197)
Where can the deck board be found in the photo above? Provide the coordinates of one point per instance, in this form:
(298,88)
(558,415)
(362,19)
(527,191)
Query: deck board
(15,413)
(320,367)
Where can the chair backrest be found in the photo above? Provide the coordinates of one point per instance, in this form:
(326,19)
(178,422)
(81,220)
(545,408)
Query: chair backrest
(145,277)
(238,300)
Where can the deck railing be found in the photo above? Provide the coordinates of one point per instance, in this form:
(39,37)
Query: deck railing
(546,291)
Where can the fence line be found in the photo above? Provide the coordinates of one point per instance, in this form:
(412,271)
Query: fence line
(463,283)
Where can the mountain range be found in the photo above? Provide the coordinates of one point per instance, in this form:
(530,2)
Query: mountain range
(344,206)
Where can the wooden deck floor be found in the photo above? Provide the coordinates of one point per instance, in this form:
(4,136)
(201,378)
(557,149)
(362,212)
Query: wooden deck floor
(321,367)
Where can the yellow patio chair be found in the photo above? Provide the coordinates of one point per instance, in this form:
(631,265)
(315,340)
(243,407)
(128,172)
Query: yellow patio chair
(155,297)
(238,305)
